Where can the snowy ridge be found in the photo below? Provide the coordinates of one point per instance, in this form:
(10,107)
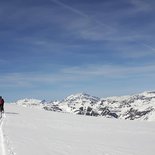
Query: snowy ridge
(133,107)
(31,102)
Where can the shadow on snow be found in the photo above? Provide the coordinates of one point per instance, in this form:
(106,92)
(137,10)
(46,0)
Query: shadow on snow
(11,113)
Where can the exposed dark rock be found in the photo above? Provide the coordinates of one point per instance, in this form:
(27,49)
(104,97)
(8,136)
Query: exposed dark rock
(134,113)
(52,108)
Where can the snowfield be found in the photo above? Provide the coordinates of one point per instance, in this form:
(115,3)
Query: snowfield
(33,131)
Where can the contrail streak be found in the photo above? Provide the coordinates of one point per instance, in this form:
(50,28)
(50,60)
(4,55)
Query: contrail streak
(148,46)
(80,13)
(70,8)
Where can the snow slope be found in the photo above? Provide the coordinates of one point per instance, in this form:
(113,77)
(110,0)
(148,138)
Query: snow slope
(32,131)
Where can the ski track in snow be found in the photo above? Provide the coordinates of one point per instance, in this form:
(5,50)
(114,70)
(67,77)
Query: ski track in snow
(2,146)
(5,146)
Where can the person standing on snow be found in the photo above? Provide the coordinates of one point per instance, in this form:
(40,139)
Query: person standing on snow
(1,104)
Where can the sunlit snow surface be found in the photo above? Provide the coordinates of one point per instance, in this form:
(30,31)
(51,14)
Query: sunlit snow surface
(31,131)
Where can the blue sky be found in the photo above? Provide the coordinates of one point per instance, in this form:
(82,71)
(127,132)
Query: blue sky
(50,49)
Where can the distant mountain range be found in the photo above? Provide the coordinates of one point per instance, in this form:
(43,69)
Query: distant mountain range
(134,107)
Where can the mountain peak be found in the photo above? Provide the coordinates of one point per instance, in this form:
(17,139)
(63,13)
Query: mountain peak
(81,96)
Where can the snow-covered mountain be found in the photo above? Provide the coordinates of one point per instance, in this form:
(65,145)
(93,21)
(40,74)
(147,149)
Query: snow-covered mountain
(134,107)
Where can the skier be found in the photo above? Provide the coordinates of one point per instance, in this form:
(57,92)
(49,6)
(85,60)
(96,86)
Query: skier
(1,104)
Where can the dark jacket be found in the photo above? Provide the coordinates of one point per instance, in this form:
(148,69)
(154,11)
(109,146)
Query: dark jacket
(1,104)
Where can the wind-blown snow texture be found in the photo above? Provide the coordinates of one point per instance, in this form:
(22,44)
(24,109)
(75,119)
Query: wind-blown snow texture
(32,131)
(134,107)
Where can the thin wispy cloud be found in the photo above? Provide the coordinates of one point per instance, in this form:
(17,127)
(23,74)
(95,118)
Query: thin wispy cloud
(112,71)
(141,5)
(31,80)
(74,74)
